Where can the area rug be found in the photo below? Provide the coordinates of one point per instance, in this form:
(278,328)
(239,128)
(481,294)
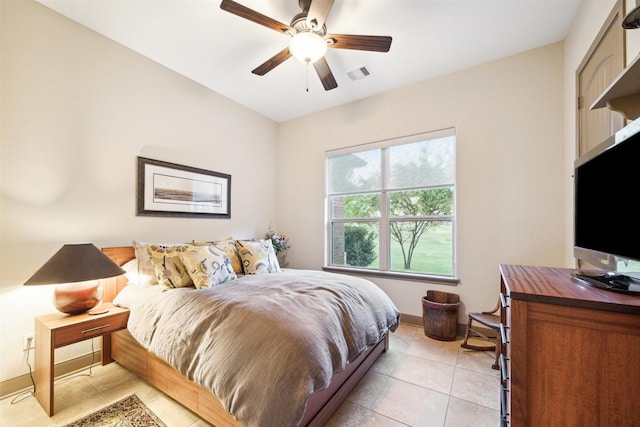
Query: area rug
(128,412)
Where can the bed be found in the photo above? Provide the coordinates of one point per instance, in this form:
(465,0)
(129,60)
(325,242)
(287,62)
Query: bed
(312,401)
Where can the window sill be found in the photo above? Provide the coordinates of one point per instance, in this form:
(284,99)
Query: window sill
(394,275)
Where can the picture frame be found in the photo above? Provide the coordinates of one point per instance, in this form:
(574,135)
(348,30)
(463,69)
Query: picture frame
(170,189)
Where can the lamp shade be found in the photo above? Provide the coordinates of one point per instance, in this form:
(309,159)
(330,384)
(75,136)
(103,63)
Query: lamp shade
(75,263)
(77,270)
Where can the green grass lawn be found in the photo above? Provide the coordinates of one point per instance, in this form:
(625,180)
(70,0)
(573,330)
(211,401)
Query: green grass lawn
(432,256)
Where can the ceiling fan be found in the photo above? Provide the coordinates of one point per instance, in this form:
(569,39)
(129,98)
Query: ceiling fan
(309,38)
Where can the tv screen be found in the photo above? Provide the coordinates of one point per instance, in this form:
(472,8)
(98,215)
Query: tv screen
(607,188)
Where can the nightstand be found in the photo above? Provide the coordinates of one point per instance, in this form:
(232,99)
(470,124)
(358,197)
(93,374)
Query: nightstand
(59,329)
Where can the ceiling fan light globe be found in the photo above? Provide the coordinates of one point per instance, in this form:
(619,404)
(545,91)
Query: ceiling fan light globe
(307,47)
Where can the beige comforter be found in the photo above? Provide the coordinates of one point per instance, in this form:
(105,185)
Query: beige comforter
(263,343)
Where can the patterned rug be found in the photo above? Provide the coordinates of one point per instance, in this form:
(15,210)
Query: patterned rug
(128,412)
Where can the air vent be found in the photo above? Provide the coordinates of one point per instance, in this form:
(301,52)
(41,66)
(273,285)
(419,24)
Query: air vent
(359,73)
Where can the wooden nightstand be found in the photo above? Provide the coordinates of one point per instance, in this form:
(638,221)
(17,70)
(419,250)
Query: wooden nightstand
(57,330)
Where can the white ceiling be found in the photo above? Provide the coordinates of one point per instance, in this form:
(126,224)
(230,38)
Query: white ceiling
(218,50)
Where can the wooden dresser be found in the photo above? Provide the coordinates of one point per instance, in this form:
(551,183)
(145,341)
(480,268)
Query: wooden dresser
(571,352)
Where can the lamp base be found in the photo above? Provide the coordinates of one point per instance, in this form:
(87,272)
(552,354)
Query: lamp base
(79,297)
(98,310)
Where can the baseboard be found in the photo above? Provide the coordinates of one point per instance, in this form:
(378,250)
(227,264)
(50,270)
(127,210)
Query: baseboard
(410,319)
(461,328)
(23,382)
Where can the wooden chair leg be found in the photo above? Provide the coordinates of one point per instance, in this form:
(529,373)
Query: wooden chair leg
(496,363)
(466,333)
(490,320)
(466,345)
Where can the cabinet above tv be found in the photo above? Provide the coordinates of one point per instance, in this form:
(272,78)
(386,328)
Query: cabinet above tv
(623,94)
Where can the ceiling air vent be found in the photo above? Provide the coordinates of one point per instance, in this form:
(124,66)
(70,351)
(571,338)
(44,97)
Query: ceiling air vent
(359,73)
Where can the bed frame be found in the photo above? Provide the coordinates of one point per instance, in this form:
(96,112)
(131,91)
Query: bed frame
(130,354)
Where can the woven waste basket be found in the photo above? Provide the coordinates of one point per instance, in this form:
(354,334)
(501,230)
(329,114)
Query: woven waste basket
(440,315)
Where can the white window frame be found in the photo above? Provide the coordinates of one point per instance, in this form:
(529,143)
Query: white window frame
(384,267)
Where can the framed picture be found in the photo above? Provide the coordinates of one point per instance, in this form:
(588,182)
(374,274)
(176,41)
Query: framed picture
(169,189)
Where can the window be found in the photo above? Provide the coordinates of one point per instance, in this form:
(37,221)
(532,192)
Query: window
(391,205)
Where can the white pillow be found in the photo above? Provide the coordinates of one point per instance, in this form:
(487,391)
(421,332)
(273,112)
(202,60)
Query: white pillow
(131,268)
(135,293)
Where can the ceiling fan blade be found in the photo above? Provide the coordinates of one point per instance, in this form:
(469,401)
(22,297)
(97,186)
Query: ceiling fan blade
(250,14)
(273,62)
(350,41)
(318,11)
(325,74)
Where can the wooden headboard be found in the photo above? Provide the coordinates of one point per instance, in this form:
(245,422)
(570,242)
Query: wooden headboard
(120,255)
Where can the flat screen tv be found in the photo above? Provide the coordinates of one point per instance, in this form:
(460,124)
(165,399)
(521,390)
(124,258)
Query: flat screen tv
(606,217)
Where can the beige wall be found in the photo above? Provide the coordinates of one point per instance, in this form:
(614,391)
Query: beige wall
(510,204)
(77,109)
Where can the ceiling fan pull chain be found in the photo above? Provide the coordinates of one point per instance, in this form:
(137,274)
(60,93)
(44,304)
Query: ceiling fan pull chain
(307,77)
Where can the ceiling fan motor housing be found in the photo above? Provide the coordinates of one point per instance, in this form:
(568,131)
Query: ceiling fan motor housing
(299,23)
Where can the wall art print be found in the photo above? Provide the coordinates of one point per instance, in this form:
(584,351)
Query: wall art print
(169,189)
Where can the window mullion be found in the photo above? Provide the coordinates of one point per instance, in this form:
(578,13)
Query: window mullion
(384,240)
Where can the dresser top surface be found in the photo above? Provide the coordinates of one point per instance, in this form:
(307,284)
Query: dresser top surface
(558,286)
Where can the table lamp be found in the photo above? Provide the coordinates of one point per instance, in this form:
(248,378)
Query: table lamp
(77,270)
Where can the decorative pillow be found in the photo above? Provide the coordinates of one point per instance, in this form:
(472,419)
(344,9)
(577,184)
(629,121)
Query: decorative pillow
(134,293)
(146,272)
(170,271)
(258,257)
(229,248)
(208,266)
(131,268)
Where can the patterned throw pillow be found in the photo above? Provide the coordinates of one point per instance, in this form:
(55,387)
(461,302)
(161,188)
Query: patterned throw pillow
(208,266)
(229,248)
(168,266)
(258,257)
(146,272)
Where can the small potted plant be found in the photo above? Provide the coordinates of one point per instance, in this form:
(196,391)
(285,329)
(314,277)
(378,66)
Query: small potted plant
(280,245)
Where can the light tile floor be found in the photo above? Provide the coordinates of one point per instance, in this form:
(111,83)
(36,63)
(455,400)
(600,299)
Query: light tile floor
(419,382)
